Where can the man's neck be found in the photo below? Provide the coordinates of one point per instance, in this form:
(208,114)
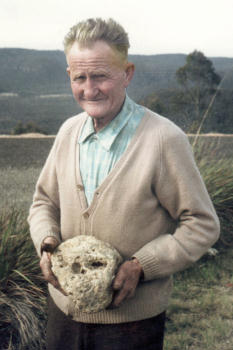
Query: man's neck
(100,123)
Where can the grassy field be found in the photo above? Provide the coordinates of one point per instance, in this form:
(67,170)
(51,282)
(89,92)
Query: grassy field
(200,316)
(201,307)
(21,161)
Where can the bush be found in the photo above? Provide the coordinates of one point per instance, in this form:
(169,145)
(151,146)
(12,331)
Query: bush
(22,295)
(217,174)
(30,127)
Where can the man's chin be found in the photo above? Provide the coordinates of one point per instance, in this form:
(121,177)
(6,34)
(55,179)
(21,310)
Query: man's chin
(95,112)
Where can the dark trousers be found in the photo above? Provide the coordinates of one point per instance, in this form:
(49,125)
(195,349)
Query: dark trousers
(66,334)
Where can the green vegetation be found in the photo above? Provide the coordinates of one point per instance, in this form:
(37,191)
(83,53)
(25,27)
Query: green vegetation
(201,307)
(201,92)
(22,296)
(198,82)
(216,168)
(29,127)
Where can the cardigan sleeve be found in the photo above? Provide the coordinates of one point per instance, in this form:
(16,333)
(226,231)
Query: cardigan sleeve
(181,191)
(44,214)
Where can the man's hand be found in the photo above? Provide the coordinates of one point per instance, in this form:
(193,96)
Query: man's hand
(47,247)
(49,244)
(126,281)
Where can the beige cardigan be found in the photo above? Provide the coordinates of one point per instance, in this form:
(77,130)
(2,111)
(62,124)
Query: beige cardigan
(153,205)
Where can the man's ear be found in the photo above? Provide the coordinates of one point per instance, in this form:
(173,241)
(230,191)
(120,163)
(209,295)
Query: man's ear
(68,71)
(129,70)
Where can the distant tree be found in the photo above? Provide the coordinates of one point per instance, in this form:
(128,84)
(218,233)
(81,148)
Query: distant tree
(18,129)
(153,102)
(33,127)
(198,82)
(29,127)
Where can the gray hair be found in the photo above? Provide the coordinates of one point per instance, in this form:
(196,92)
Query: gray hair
(87,32)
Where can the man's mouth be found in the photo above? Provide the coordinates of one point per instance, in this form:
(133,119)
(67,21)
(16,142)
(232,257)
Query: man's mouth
(92,100)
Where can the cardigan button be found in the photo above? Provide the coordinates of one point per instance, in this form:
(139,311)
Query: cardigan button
(86,215)
(80,187)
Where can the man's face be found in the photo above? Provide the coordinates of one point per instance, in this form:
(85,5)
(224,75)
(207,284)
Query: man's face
(98,79)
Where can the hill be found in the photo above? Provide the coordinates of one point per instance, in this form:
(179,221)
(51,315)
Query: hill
(34,84)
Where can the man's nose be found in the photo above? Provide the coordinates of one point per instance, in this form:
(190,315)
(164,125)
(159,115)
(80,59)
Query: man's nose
(90,89)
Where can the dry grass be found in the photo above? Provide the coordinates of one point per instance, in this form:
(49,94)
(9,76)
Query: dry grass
(22,296)
(17,187)
(201,309)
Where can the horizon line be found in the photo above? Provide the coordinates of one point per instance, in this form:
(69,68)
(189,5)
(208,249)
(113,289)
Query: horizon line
(130,54)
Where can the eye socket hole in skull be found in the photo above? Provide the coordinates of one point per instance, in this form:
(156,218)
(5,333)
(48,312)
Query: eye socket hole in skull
(97,264)
(76,267)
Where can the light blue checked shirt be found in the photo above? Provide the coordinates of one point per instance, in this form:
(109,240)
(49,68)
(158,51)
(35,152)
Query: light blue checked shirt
(100,151)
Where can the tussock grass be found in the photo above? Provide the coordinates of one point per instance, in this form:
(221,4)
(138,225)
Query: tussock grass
(217,172)
(22,296)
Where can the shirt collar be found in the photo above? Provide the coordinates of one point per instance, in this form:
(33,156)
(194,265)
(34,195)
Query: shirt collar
(109,133)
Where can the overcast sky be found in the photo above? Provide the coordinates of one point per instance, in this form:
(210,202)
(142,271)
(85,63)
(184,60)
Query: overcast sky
(154,27)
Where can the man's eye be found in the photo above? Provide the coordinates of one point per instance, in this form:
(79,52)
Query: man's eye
(98,76)
(79,78)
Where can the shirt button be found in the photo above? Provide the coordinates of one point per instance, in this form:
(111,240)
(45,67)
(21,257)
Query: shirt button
(80,187)
(86,215)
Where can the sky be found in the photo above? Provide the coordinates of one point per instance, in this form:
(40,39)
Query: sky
(154,27)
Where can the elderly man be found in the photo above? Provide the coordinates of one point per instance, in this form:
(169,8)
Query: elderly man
(127,176)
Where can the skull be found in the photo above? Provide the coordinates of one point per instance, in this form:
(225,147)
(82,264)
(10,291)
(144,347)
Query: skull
(85,268)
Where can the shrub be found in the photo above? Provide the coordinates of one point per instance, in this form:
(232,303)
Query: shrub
(22,295)
(29,127)
(217,173)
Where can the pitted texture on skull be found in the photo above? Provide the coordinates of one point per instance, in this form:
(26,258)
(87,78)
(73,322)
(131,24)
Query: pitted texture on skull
(85,268)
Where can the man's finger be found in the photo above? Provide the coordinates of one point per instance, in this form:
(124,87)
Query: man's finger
(126,292)
(125,282)
(119,280)
(45,265)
